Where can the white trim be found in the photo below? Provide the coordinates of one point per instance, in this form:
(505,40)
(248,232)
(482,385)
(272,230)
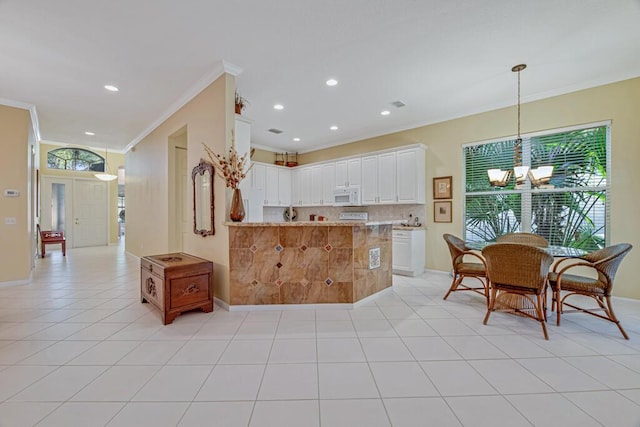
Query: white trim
(218,70)
(539,133)
(14,283)
(17,282)
(354,156)
(287,307)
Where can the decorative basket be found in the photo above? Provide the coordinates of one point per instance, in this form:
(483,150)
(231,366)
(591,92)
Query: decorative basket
(291,159)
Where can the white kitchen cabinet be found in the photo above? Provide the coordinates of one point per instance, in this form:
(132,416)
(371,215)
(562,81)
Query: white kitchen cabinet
(284,187)
(387,191)
(276,183)
(328,183)
(411,171)
(259,172)
(271,194)
(296,191)
(315,185)
(369,187)
(349,173)
(379,179)
(408,251)
(301,186)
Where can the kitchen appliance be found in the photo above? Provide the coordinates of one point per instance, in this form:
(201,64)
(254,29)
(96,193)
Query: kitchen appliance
(347,196)
(354,216)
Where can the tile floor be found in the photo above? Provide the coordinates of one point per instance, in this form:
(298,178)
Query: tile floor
(77,348)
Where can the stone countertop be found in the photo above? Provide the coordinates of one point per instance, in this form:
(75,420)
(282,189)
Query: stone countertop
(408,227)
(309,223)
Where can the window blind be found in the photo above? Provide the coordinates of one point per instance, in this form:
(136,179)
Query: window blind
(563,195)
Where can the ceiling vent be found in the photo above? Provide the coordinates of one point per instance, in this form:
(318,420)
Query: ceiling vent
(276,131)
(398,104)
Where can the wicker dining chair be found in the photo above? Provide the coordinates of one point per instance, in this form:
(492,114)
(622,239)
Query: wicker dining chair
(517,273)
(463,269)
(604,263)
(524,239)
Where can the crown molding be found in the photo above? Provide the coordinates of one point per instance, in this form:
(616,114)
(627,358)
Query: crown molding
(219,69)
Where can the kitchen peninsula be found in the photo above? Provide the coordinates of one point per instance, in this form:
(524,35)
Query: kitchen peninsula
(308,262)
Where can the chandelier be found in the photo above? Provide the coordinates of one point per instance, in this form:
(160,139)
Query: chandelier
(106,175)
(537,176)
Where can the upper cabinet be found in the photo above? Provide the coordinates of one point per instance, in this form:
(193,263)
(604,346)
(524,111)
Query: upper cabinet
(275,182)
(314,185)
(411,175)
(348,172)
(387,177)
(379,179)
(328,177)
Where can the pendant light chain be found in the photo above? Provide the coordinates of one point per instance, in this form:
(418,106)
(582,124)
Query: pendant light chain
(518,147)
(519,139)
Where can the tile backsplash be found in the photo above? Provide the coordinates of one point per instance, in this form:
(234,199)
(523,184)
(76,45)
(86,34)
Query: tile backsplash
(376,213)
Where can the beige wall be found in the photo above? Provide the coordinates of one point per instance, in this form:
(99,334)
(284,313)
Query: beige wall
(209,118)
(263,156)
(115,160)
(618,102)
(16,250)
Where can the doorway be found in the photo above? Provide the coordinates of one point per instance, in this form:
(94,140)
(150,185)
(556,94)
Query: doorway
(79,207)
(179,185)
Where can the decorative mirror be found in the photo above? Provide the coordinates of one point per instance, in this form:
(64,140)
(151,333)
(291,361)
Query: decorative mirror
(202,177)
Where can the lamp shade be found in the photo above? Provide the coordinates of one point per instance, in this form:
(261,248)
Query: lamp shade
(105,176)
(498,177)
(540,175)
(520,173)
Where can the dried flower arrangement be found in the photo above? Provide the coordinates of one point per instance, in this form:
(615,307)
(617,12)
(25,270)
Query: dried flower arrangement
(231,168)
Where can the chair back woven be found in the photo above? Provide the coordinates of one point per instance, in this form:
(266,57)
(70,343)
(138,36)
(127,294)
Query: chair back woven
(517,265)
(457,248)
(524,239)
(607,260)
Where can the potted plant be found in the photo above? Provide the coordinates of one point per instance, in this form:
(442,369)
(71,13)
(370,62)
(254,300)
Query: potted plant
(241,103)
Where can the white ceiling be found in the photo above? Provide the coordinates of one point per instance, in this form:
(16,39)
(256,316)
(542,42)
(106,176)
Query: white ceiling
(444,59)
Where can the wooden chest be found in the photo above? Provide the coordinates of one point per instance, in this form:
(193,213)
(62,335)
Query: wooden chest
(176,283)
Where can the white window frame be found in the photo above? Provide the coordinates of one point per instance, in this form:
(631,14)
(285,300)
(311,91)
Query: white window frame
(526,192)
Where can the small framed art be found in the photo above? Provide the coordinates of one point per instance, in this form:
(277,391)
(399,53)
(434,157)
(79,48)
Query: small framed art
(442,187)
(442,211)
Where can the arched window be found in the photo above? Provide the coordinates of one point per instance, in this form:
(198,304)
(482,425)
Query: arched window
(76,159)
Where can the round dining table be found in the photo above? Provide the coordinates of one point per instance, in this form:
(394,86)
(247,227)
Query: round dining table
(555,251)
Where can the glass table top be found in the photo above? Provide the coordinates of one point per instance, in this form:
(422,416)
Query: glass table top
(556,251)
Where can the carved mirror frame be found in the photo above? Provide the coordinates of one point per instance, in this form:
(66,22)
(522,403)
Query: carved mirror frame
(199,188)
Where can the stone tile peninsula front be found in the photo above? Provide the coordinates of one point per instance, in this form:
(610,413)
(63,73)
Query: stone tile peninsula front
(308,262)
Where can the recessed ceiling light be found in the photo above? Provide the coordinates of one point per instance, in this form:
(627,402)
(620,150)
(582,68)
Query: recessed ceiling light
(385,112)
(111,88)
(332,82)
(296,139)
(278,107)
(334,127)
(89,133)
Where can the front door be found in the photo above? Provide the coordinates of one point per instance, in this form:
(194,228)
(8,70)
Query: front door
(76,206)
(90,213)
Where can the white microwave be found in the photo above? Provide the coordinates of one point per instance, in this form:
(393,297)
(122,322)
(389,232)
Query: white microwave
(348,196)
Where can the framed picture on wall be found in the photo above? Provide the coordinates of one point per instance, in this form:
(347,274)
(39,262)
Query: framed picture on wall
(442,187)
(442,211)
